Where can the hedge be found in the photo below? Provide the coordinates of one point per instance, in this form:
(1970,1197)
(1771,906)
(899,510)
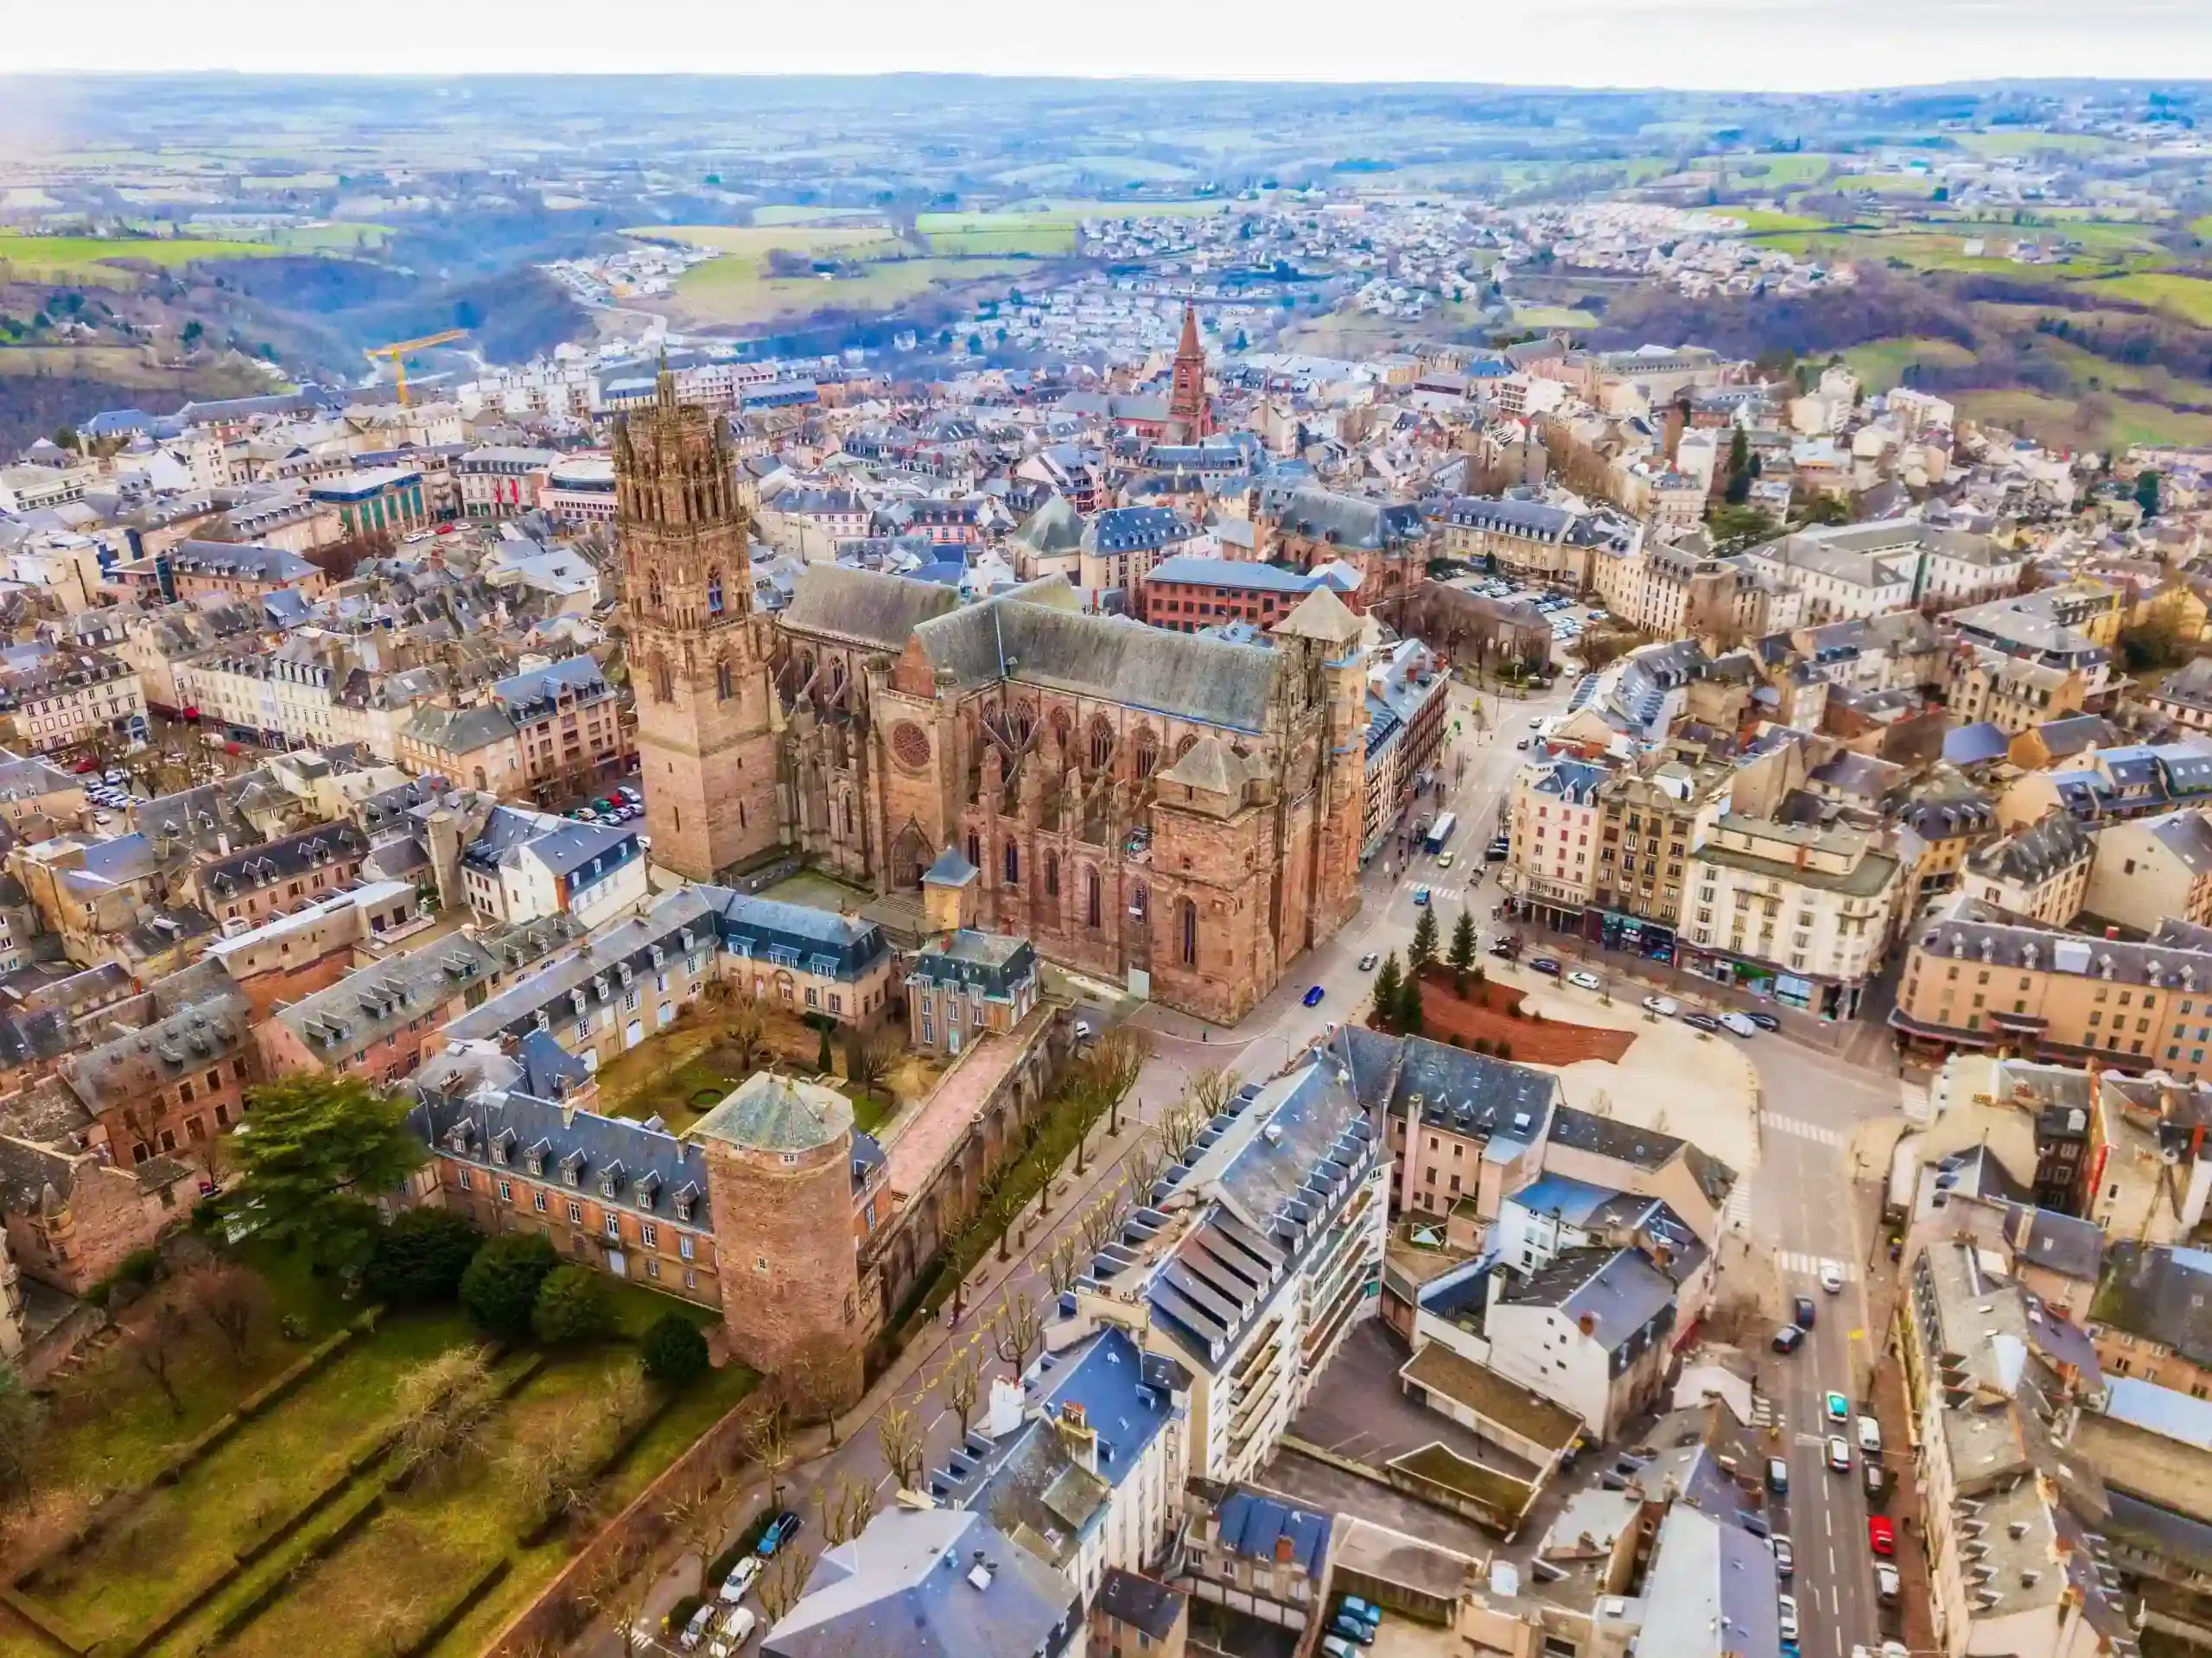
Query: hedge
(460,1607)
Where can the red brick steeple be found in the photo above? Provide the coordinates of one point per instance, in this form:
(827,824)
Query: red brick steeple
(1189,412)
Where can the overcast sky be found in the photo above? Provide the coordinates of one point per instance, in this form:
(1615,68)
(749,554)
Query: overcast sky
(1778,45)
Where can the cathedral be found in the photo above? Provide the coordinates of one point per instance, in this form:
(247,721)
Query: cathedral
(1177,814)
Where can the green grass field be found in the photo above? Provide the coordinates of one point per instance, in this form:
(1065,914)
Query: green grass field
(2070,422)
(1995,145)
(791,213)
(2187,297)
(1882,365)
(753,242)
(735,292)
(2201,228)
(1551,316)
(1777,172)
(1888,184)
(69,257)
(1041,241)
(1764,222)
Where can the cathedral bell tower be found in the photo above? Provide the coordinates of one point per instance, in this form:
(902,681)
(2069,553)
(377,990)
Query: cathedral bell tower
(1189,412)
(698,654)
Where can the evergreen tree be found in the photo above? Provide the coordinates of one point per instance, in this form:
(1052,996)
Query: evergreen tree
(321,1150)
(1424,944)
(1387,981)
(1409,1007)
(2146,493)
(1463,951)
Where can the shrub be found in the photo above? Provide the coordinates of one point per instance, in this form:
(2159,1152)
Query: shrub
(419,1259)
(674,1350)
(499,1289)
(572,1306)
(1504,1049)
(680,1614)
(1482,1044)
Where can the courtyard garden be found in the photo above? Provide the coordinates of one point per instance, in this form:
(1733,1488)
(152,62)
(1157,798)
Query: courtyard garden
(276,1448)
(680,1074)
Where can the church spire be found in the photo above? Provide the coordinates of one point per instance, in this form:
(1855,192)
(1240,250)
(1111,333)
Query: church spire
(1191,346)
(1190,412)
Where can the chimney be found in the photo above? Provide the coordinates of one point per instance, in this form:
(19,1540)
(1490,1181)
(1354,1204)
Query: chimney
(1284,1551)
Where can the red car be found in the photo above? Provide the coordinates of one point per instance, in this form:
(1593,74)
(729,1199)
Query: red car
(1880,1535)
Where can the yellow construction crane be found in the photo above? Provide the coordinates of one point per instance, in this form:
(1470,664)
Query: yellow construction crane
(397,354)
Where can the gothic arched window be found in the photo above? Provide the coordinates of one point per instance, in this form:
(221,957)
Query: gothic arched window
(974,850)
(1187,913)
(1013,864)
(849,817)
(725,685)
(1148,752)
(664,681)
(1102,743)
(1090,898)
(714,590)
(652,591)
(1051,874)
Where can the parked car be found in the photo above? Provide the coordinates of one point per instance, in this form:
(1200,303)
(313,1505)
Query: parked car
(1765,1021)
(1312,997)
(631,794)
(1778,1476)
(1788,1339)
(1801,1308)
(1503,949)
(1704,1022)
(1335,1646)
(1876,1479)
(1545,965)
(1881,1536)
(1787,1606)
(1886,1583)
(696,1631)
(1366,1610)
(1785,1556)
(740,1580)
(1665,1006)
(737,1629)
(1421,895)
(1831,1278)
(1352,1628)
(1497,851)
(1870,1436)
(1839,1453)
(1838,1408)
(1585,980)
(1367,963)
(1522,744)
(781,1530)
(1737,1024)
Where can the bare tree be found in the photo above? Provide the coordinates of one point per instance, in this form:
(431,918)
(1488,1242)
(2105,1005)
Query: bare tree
(844,1505)
(550,1466)
(154,1347)
(1101,1222)
(1146,1158)
(696,1517)
(1018,1331)
(962,1381)
(783,1584)
(1210,1090)
(1117,1059)
(618,1594)
(234,1301)
(868,1059)
(444,1408)
(766,1436)
(899,1436)
(1064,1263)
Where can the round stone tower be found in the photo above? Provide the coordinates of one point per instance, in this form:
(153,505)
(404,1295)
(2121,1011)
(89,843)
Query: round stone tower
(780,1191)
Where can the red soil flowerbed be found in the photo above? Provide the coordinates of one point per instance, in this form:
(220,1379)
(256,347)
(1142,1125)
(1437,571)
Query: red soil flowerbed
(1493,1013)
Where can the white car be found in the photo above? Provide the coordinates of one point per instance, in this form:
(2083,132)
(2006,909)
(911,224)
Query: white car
(1737,1024)
(1831,1278)
(1585,981)
(1787,1606)
(1870,1436)
(736,1586)
(1665,1006)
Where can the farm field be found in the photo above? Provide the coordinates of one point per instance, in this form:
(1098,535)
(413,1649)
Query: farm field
(736,293)
(2187,297)
(66,258)
(1882,365)
(753,242)
(2096,423)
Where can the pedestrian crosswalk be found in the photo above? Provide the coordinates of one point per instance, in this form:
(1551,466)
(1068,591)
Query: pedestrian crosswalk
(1812,1131)
(1736,1214)
(1766,1413)
(1791,1260)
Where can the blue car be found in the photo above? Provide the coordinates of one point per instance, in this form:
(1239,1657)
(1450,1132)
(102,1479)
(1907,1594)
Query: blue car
(1313,997)
(1421,895)
(1359,1629)
(781,1530)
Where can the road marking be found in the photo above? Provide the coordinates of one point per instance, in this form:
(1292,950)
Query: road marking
(935,1420)
(1812,1131)
(1792,1260)
(1831,1562)
(880,1484)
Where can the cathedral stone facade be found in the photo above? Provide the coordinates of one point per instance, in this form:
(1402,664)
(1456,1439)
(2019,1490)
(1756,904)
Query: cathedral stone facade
(698,652)
(1175,813)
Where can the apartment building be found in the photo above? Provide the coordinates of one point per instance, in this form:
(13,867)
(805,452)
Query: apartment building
(572,730)
(579,491)
(54,699)
(1679,590)
(1186,591)
(2151,870)
(1845,571)
(1977,981)
(377,501)
(522,865)
(253,884)
(500,481)
(2039,872)
(1407,703)
(1121,546)
(194,569)
(1270,1251)
(1650,824)
(1555,820)
(1531,541)
(1797,911)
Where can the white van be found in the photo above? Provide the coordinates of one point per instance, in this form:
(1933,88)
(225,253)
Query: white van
(1870,1436)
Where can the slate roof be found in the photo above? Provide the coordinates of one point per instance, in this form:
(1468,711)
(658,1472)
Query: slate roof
(1251,1523)
(2034,853)
(646,1171)
(768,930)
(863,605)
(1645,1148)
(997,962)
(460,731)
(1022,638)
(1466,1092)
(908,1587)
(1246,574)
(133,1066)
(1143,1604)
(772,1112)
(273,862)
(1352,522)
(2158,1293)
(1617,1295)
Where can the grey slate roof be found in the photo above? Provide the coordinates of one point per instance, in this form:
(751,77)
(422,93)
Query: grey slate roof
(2034,853)
(864,604)
(646,1171)
(772,1112)
(907,1587)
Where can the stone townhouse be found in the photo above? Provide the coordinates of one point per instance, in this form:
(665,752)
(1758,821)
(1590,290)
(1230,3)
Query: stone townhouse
(71,1217)
(1307,528)
(2151,870)
(1797,911)
(2040,872)
(572,729)
(291,956)
(963,983)
(1530,541)
(59,699)
(382,1020)
(478,748)
(173,1088)
(253,884)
